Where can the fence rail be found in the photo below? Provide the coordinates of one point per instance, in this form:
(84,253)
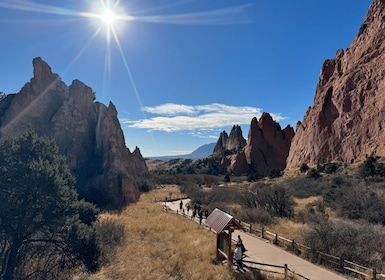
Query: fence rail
(336,263)
(328,260)
(272,268)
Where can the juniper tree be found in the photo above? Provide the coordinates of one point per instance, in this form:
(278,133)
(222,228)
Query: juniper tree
(41,218)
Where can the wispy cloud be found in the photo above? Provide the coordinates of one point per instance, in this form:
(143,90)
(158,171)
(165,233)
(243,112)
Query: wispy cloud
(172,117)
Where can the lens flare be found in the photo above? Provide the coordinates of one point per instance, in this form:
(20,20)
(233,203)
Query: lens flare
(108,17)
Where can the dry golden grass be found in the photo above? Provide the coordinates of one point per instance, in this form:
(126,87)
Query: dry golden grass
(161,245)
(287,228)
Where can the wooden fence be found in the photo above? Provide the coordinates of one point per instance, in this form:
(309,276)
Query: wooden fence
(276,269)
(333,262)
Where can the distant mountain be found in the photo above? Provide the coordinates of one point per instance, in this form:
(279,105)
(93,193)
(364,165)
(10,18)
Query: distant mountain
(202,152)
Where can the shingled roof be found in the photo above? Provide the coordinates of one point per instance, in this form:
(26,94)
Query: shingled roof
(219,221)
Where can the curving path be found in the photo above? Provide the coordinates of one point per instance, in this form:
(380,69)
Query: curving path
(259,250)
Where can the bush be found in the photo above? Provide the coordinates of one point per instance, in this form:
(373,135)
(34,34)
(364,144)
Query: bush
(110,235)
(368,167)
(353,242)
(303,168)
(274,173)
(313,173)
(330,167)
(303,187)
(249,275)
(276,200)
(254,216)
(363,203)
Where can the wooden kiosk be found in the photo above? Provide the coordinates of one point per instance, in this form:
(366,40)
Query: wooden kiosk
(224,225)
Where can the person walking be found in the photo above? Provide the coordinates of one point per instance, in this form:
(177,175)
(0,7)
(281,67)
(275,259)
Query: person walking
(240,243)
(238,256)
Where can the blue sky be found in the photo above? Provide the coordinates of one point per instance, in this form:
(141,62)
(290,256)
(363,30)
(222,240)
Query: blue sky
(180,72)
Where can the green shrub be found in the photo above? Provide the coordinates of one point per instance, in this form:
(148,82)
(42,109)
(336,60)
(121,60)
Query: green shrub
(303,168)
(368,168)
(274,173)
(313,173)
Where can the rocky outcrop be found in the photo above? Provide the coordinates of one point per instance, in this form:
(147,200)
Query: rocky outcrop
(347,119)
(267,148)
(87,132)
(232,143)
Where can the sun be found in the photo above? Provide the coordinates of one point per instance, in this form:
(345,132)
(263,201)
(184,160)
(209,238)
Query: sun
(108,17)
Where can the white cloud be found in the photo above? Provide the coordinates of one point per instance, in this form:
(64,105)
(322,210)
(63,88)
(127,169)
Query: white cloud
(178,117)
(170,109)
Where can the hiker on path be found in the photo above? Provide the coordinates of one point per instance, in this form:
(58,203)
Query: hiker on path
(238,255)
(240,243)
(200,217)
(181,205)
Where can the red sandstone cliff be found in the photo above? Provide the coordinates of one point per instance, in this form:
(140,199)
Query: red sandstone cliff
(347,119)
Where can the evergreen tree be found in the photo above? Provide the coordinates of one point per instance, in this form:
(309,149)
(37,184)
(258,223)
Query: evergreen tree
(40,214)
(368,168)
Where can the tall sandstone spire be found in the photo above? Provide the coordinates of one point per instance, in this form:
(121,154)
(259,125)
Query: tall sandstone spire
(87,132)
(347,119)
(233,142)
(266,148)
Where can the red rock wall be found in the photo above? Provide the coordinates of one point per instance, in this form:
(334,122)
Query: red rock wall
(347,119)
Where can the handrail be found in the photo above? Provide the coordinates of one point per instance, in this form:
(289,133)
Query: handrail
(284,267)
(295,244)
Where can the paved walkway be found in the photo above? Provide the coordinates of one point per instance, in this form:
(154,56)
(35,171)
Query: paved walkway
(259,250)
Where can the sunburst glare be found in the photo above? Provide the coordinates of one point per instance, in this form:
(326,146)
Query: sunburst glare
(110,16)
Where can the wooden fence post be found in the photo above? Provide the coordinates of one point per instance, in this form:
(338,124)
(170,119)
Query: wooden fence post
(250,228)
(341,264)
(263,232)
(293,245)
(374,274)
(285,267)
(276,239)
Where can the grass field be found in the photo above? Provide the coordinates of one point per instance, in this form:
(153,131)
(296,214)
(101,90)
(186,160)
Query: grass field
(159,245)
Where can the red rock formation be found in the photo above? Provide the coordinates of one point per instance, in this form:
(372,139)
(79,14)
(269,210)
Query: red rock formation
(347,119)
(267,148)
(87,132)
(232,143)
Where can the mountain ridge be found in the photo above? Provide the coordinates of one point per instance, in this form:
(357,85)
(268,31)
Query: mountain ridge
(201,152)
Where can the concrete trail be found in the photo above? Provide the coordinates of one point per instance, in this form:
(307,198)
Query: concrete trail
(259,250)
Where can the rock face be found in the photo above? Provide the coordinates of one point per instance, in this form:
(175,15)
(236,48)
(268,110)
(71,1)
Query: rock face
(87,132)
(267,148)
(347,119)
(232,143)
